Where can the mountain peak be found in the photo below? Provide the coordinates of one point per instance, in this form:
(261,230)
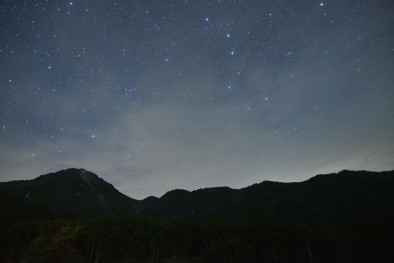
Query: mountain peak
(71,193)
(87,176)
(71,175)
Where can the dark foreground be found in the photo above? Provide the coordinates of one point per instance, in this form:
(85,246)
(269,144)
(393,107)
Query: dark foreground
(344,217)
(142,240)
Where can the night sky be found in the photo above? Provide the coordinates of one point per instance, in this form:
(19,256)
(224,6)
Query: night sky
(158,95)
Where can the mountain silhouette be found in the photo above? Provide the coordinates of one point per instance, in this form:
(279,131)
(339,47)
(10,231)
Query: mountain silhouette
(71,193)
(330,198)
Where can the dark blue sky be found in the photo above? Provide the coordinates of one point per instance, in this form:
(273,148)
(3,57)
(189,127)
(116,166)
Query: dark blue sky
(157,95)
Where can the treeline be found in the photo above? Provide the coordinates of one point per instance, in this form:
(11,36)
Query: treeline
(150,240)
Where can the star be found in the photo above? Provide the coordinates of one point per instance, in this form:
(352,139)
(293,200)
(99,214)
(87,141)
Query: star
(124,77)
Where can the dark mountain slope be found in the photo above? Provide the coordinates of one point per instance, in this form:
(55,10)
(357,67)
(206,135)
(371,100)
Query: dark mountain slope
(332,198)
(68,193)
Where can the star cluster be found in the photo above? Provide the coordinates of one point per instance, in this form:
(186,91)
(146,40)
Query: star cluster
(156,95)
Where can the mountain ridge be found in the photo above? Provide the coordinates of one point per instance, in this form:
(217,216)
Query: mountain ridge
(78,193)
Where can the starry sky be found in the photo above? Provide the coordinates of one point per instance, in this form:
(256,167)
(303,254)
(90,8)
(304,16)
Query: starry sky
(154,95)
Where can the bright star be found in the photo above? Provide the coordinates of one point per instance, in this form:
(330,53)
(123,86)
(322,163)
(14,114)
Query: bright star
(93,136)
(206,19)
